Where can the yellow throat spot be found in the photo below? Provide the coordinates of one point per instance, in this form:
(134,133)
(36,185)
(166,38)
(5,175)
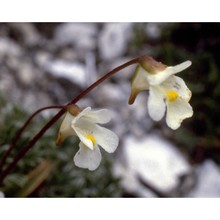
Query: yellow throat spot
(172,96)
(91,138)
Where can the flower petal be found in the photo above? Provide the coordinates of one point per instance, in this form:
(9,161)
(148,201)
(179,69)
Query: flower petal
(178,111)
(83,128)
(107,139)
(158,78)
(82,113)
(177,84)
(180,67)
(87,158)
(65,128)
(101,116)
(156,104)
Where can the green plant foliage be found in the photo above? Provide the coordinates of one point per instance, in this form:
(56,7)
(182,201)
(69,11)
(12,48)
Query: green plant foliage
(48,170)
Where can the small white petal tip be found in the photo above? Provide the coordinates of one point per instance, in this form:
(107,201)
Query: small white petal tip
(182,66)
(187,63)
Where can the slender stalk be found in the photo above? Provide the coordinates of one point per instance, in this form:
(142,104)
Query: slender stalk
(107,75)
(18,135)
(30,144)
(59,114)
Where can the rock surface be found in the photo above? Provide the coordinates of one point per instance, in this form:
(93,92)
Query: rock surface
(154,160)
(208,180)
(2,195)
(113,40)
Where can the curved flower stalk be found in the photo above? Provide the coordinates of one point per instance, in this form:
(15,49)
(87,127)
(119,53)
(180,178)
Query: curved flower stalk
(166,91)
(84,124)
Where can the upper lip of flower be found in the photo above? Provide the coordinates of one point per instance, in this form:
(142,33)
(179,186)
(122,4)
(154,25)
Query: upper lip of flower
(161,75)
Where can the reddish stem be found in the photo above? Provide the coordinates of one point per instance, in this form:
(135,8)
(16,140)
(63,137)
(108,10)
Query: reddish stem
(18,135)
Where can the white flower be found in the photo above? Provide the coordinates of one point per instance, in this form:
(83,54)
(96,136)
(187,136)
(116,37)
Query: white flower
(166,91)
(173,97)
(150,72)
(91,135)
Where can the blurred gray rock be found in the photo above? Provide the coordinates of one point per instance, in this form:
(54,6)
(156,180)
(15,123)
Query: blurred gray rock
(73,71)
(208,180)
(125,74)
(79,35)
(2,194)
(9,48)
(27,33)
(130,182)
(153,30)
(6,82)
(111,94)
(153,160)
(90,65)
(113,40)
(42,57)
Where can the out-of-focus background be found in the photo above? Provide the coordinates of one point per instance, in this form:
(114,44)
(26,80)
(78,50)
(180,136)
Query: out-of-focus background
(45,64)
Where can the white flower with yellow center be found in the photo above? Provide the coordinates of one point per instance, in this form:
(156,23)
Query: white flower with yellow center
(150,72)
(91,135)
(173,97)
(165,90)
